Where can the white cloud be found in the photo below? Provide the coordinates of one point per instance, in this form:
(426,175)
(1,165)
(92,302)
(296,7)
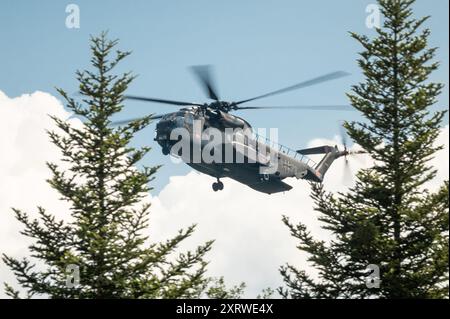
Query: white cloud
(251,241)
(441,159)
(25,148)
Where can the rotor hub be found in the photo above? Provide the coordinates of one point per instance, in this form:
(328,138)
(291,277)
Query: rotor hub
(221,106)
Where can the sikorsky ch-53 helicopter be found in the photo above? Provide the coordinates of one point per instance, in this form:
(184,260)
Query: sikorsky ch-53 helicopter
(258,170)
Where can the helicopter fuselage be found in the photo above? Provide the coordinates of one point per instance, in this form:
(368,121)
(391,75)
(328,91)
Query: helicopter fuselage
(262,166)
(257,162)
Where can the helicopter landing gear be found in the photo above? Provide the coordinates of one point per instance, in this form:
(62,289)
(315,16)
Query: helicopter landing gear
(165,150)
(218,186)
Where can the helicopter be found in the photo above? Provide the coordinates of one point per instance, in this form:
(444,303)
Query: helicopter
(265,164)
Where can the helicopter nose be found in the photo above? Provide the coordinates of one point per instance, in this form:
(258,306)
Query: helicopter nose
(163,128)
(165,125)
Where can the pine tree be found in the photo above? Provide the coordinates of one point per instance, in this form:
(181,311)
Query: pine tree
(389,218)
(105,236)
(218,290)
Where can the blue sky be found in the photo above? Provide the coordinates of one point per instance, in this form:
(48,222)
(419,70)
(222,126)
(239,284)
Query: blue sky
(256,46)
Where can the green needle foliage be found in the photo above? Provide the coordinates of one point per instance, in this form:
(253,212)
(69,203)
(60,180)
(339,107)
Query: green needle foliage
(389,218)
(218,290)
(103,237)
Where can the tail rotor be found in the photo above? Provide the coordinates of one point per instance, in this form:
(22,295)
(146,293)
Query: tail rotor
(346,153)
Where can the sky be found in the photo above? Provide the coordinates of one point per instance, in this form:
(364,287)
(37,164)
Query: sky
(255,46)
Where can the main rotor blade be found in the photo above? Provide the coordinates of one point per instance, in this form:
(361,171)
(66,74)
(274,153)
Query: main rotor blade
(155,117)
(320,79)
(151,99)
(299,107)
(204,75)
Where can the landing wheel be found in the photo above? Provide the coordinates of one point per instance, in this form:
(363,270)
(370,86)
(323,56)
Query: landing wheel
(217,186)
(165,150)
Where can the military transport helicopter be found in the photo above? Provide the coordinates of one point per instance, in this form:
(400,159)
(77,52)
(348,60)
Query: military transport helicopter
(257,170)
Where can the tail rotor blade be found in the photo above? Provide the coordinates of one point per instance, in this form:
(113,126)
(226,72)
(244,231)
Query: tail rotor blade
(359,152)
(355,155)
(347,174)
(343,136)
